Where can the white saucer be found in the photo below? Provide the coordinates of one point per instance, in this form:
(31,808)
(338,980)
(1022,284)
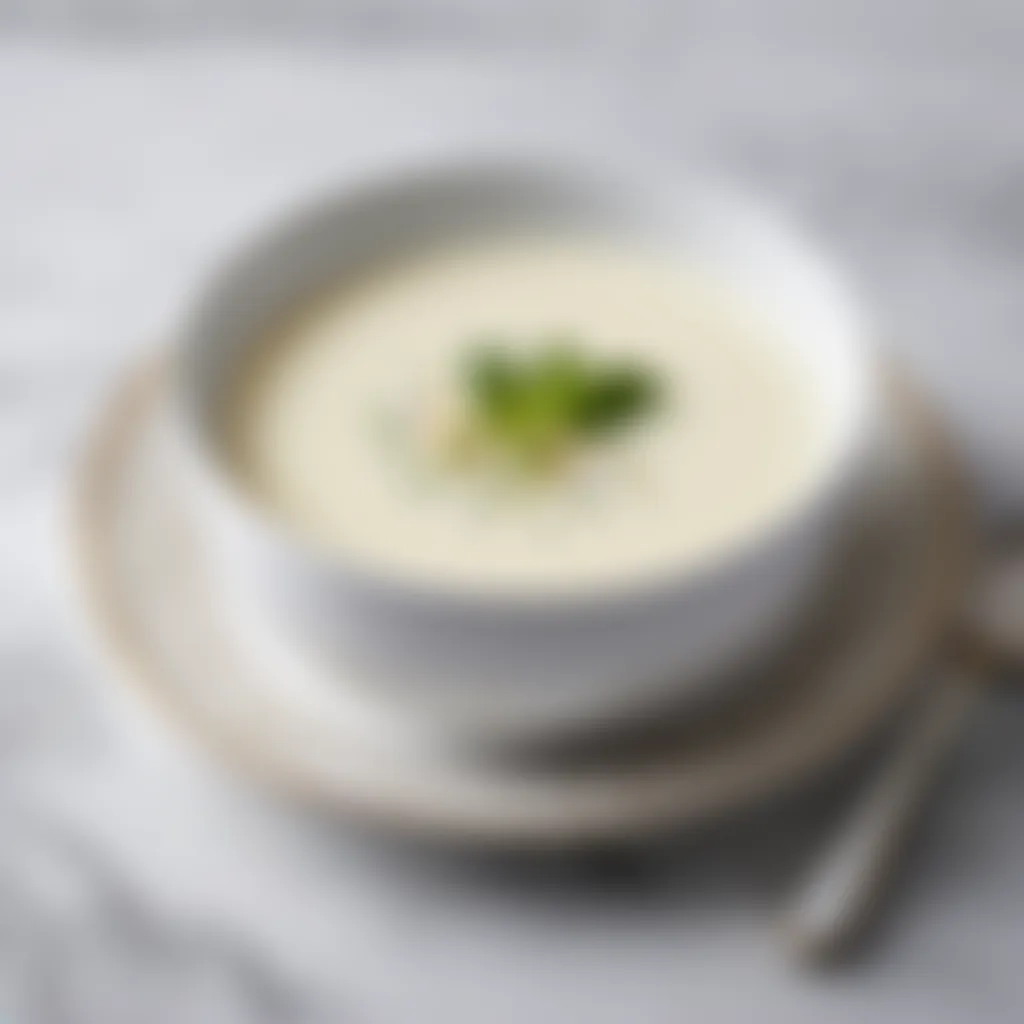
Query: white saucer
(202,663)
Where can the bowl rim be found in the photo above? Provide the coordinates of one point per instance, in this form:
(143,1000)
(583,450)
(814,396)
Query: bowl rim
(625,177)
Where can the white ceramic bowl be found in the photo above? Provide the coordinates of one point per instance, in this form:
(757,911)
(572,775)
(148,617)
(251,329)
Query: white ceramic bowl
(488,667)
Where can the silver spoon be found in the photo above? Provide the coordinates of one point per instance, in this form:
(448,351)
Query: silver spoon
(845,886)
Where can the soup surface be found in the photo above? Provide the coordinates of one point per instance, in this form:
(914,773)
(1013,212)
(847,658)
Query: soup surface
(340,422)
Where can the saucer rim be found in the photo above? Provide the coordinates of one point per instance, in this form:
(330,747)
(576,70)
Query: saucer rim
(430,816)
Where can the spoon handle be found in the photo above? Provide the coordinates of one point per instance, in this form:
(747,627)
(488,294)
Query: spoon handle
(845,886)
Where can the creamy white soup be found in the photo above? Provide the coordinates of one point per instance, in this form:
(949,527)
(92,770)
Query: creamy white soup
(350,421)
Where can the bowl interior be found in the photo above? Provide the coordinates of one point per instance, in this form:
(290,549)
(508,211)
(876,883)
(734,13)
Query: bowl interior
(762,259)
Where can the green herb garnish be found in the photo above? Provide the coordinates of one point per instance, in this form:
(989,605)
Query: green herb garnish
(533,409)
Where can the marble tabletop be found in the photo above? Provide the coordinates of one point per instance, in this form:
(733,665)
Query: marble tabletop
(141,885)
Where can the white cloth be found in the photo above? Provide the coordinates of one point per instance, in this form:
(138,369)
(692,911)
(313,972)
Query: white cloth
(125,172)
